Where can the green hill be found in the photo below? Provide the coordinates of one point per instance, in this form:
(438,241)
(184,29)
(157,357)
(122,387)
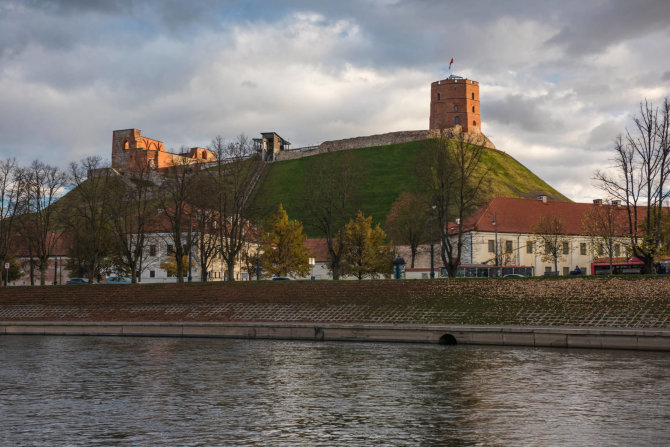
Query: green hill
(387,171)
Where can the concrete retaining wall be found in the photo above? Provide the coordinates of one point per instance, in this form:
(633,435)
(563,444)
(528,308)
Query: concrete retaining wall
(635,339)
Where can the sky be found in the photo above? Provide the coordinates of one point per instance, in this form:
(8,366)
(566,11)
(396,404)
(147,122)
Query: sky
(559,80)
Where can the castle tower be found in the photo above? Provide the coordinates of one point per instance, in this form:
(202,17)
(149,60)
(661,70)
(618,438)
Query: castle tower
(455,101)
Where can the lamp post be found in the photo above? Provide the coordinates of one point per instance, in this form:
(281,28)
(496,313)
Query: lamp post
(495,228)
(432,245)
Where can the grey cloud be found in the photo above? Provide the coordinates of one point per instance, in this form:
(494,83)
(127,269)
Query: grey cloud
(596,26)
(666,76)
(603,135)
(522,112)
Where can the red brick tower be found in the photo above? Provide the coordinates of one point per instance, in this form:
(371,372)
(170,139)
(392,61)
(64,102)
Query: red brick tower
(455,101)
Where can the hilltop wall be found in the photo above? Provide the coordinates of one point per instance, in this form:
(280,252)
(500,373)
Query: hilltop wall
(386,139)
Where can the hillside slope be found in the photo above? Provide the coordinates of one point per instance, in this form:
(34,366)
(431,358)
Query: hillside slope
(385,172)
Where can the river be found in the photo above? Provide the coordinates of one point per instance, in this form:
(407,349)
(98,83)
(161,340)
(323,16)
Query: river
(201,392)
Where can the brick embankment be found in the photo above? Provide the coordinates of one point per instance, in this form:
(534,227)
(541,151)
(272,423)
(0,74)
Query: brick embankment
(578,302)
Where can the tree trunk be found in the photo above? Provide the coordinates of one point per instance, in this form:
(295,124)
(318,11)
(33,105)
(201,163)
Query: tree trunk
(43,271)
(335,267)
(231,271)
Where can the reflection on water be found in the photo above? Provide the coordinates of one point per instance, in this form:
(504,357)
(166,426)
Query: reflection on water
(162,391)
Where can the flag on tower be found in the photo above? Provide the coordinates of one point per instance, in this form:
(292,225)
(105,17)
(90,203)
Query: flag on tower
(451,63)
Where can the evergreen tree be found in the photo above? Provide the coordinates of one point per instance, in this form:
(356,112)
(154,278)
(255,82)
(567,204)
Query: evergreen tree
(284,251)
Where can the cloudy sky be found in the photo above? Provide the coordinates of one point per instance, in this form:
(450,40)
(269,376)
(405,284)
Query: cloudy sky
(558,79)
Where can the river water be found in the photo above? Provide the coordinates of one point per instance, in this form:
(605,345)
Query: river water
(170,391)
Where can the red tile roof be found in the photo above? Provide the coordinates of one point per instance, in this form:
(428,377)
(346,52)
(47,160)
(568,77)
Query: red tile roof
(520,215)
(318,249)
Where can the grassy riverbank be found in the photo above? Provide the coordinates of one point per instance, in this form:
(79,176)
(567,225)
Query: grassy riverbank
(597,302)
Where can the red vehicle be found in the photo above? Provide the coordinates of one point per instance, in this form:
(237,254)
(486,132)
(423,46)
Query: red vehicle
(620,266)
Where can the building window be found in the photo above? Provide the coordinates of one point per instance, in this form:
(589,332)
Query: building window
(473,96)
(529,247)
(455,108)
(152,250)
(474,123)
(152,273)
(509,247)
(170,249)
(473,109)
(126,145)
(601,250)
(566,248)
(457,120)
(492,246)
(617,250)
(582,249)
(547,269)
(566,271)
(438,96)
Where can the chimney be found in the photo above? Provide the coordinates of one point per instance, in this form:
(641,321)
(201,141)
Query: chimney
(542,198)
(597,201)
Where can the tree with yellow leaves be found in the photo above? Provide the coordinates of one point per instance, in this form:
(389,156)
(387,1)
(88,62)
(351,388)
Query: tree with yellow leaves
(284,251)
(366,253)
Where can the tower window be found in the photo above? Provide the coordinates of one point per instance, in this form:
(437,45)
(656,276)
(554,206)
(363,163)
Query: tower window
(438,96)
(473,109)
(457,120)
(455,108)
(474,123)
(126,145)
(473,96)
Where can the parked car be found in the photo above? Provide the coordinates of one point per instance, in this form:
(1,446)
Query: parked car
(77,281)
(118,280)
(281,278)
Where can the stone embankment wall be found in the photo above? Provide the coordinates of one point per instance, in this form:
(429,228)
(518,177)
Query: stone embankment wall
(386,139)
(579,302)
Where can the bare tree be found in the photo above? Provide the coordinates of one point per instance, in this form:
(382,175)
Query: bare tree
(87,217)
(234,179)
(206,236)
(407,223)
(328,191)
(11,186)
(455,179)
(605,226)
(44,185)
(640,177)
(549,235)
(178,189)
(130,212)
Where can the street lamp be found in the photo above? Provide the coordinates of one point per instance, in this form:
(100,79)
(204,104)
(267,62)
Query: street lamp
(432,245)
(495,227)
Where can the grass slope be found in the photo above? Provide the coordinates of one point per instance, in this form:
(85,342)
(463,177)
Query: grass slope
(385,172)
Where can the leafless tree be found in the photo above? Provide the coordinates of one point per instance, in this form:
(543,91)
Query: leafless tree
(129,213)
(11,191)
(640,177)
(178,189)
(205,221)
(455,179)
(234,178)
(87,216)
(549,235)
(44,185)
(407,223)
(605,225)
(330,202)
